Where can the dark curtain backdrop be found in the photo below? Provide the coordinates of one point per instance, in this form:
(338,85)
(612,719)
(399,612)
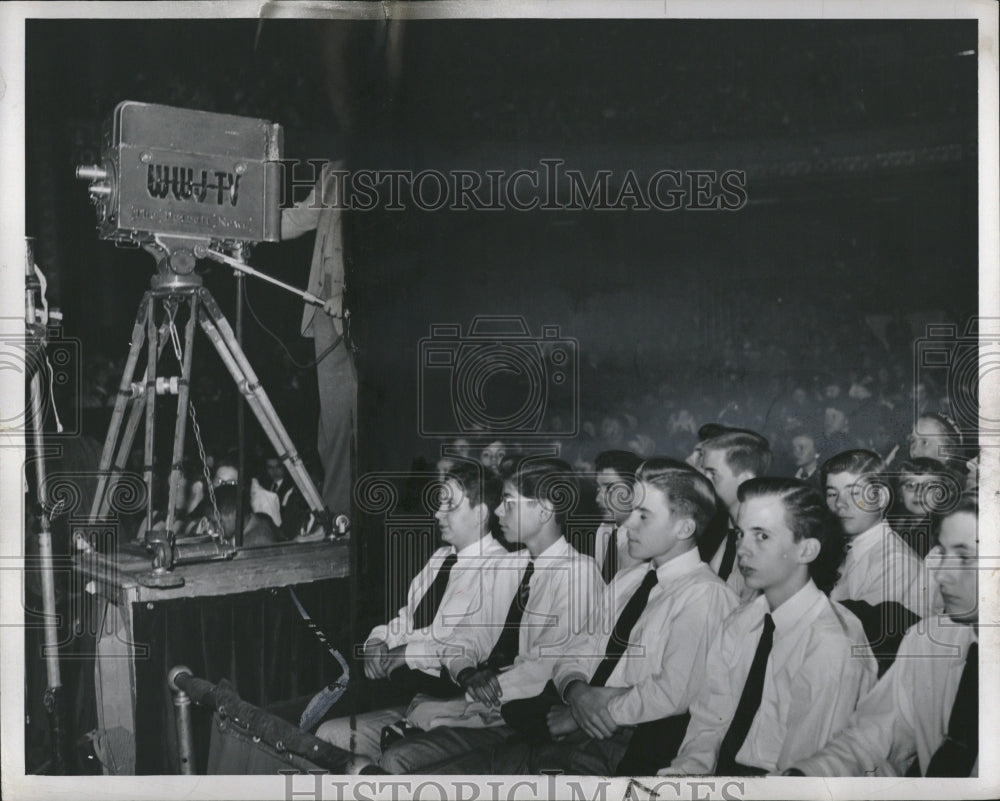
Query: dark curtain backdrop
(256,640)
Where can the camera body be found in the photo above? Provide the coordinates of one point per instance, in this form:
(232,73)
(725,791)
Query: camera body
(498,378)
(179,173)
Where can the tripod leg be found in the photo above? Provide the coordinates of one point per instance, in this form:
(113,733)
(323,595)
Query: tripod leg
(124,448)
(180,427)
(221,335)
(121,401)
(153,351)
(135,412)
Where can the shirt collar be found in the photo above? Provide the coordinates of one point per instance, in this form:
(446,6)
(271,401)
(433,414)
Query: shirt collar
(867,540)
(792,610)
(477,548)
(558,548)
(678,566)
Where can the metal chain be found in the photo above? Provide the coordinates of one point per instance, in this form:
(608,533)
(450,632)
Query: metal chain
(204,466)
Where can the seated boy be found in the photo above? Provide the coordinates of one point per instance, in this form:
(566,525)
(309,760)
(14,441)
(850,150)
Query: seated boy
(879,567)
(558,591)
(472,571)
(644,664)
(787,669)
(615,476)
(728,460)
(922,718)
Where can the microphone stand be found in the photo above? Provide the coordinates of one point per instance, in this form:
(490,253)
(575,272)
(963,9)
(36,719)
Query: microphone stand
(241,482)
(53,700)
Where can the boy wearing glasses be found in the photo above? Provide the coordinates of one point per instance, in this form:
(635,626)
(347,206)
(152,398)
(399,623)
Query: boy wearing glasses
(558,592)
(624,690)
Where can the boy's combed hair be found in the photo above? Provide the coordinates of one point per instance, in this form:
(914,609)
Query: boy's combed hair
(688,492)
(746,451)
(967,502)
(545,479)
(858,462)
(711,431)
(624,463)
(808,517)
(921,466)
(479,483)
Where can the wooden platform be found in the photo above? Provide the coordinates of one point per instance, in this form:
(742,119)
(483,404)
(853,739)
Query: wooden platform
(251,569)
(115,581)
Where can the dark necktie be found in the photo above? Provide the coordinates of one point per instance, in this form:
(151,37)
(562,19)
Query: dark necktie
(958,753)
(429,604)
(623,629)
(610,564)
(507,644)
(728,555)
(747,708)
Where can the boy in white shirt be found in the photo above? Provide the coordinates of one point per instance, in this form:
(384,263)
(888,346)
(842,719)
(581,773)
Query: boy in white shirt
(644,664)
(403,657)
(787,668)
(922,718)
(557,592)
(880,567)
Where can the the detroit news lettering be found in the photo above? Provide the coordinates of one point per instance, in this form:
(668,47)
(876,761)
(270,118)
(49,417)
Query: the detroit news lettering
(316,786)
(164,179)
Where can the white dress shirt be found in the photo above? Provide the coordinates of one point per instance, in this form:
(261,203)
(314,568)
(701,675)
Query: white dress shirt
(663,664)
(565,594)
(907,713)
(881,567)
(802,475)
(625,560)
(819,667)
(481,575)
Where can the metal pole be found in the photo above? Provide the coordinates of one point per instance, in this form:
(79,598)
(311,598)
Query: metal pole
(180,425)
(241,267)
(53,691)
(241,483)
(150,398)
(182,711)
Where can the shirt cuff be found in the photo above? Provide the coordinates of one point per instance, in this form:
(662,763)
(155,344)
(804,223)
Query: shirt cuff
(457,665)
(378,633)
(418,656)
(565,681)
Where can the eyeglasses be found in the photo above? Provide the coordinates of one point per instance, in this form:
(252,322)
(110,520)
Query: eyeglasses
(509,501)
